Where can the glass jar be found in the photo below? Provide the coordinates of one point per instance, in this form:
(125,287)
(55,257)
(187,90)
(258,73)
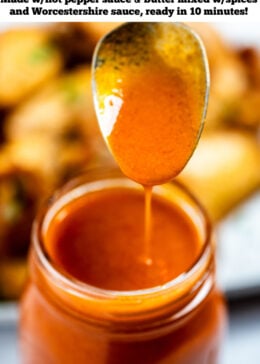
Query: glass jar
(65,321)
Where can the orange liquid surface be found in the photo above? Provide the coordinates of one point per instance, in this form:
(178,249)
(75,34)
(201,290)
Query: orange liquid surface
(99,239)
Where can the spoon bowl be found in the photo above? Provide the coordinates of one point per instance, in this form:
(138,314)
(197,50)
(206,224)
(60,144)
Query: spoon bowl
(150,86)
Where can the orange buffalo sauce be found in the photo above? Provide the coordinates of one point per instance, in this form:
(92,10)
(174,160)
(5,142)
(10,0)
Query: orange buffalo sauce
(87,252)
(99,239)
(150,92)
(152,120)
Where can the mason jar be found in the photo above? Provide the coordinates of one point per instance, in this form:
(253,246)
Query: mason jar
(66,321)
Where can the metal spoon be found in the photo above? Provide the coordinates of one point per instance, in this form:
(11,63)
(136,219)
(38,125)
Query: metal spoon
(121,59)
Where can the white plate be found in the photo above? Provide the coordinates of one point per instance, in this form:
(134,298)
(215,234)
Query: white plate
(8,313)
(239,250)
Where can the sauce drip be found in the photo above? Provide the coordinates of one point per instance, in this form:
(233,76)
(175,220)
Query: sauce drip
(151,88)
(147,224)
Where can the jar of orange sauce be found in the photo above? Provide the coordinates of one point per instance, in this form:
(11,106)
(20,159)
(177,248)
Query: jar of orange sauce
(88,301)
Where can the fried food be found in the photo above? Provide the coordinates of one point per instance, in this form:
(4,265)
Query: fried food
(53,160)
(224,170)
(247,112)
(55,109)
(13,274)
(27,61)
(96,30)
(74,42)
(235,88)
(58,121)
(20,193)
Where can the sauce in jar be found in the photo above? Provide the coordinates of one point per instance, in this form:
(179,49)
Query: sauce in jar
(98,239)
(119,310)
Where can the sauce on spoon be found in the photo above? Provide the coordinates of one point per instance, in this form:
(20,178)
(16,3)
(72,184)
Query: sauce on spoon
(151,88)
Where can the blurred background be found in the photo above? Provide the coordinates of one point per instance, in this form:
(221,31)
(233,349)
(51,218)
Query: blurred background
(49,133)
